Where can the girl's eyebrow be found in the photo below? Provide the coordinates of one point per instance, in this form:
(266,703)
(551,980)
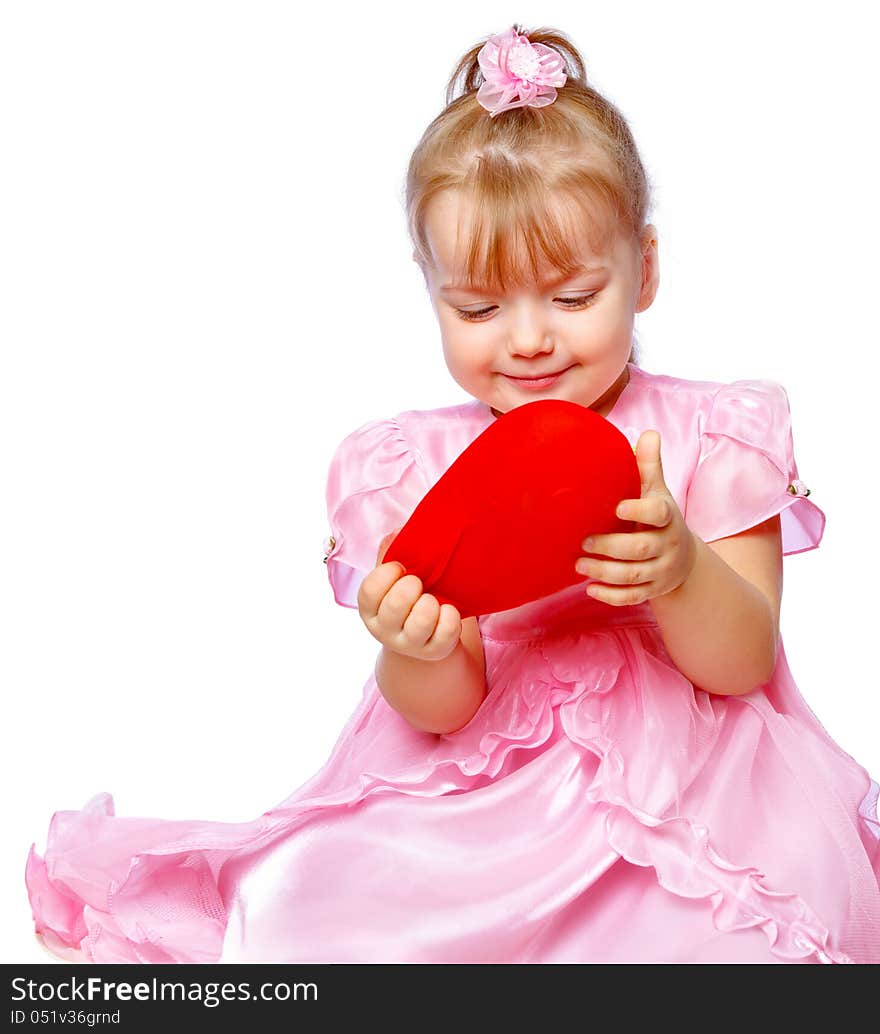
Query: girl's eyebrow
(564,279)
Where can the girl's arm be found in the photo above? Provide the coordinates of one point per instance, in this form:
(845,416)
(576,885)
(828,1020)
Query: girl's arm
(721,625)
(436,696)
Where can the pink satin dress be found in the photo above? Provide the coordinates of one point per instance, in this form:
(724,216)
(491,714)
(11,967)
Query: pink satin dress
(599,807)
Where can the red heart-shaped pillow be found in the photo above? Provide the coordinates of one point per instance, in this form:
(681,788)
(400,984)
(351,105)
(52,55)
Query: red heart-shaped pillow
(504,525)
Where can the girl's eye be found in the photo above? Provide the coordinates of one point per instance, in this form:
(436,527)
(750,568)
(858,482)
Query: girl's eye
(570,303)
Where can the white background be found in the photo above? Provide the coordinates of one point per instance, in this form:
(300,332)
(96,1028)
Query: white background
(206,284)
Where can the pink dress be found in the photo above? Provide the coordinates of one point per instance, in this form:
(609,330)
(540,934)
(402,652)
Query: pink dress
(599,807)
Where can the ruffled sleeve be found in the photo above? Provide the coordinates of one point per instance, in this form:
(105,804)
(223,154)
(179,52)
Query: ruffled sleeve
(746,471)
(375,482)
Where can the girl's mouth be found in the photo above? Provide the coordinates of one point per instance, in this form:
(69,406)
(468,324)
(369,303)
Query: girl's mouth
(536,383)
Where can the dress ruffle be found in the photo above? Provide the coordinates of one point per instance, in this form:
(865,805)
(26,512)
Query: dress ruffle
(139,890)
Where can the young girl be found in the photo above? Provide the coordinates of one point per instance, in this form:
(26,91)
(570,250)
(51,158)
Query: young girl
(624,771)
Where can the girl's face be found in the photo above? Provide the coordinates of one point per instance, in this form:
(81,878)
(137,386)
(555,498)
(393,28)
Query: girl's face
(567,340)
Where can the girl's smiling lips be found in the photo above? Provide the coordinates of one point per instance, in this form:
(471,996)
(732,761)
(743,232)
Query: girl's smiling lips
(537,383)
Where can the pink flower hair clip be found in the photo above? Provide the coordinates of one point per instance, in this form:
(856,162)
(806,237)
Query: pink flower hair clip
(518,73)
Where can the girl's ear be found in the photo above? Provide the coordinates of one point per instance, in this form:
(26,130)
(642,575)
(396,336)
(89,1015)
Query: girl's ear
(650,268)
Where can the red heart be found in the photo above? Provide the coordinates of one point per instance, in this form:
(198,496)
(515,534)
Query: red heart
(506,522)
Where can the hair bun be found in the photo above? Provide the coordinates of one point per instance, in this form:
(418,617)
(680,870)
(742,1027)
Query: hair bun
(468,76)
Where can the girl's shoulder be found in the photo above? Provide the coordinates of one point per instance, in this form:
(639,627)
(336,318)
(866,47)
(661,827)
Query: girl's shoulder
(744,399)
(428,438)
(697,389)
(671,384)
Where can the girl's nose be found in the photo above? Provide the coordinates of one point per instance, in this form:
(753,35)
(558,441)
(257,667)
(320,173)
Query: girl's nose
(530,344)
(530,336)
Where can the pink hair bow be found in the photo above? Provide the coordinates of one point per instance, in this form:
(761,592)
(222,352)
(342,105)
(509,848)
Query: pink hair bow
(518,73)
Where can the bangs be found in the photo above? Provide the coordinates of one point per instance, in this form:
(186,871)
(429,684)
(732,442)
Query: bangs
(518,227)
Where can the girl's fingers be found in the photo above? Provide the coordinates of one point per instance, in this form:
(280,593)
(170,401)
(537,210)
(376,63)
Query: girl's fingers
(655,510)
(632,545)
(375,585)
(620,595)
(614,572)
(399,601)
(422,619)
(400,615)
(448,626)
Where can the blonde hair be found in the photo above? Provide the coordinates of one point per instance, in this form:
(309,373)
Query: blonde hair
(518,166)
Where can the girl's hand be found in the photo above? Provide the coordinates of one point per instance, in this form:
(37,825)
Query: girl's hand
(403,618)
(650,561)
